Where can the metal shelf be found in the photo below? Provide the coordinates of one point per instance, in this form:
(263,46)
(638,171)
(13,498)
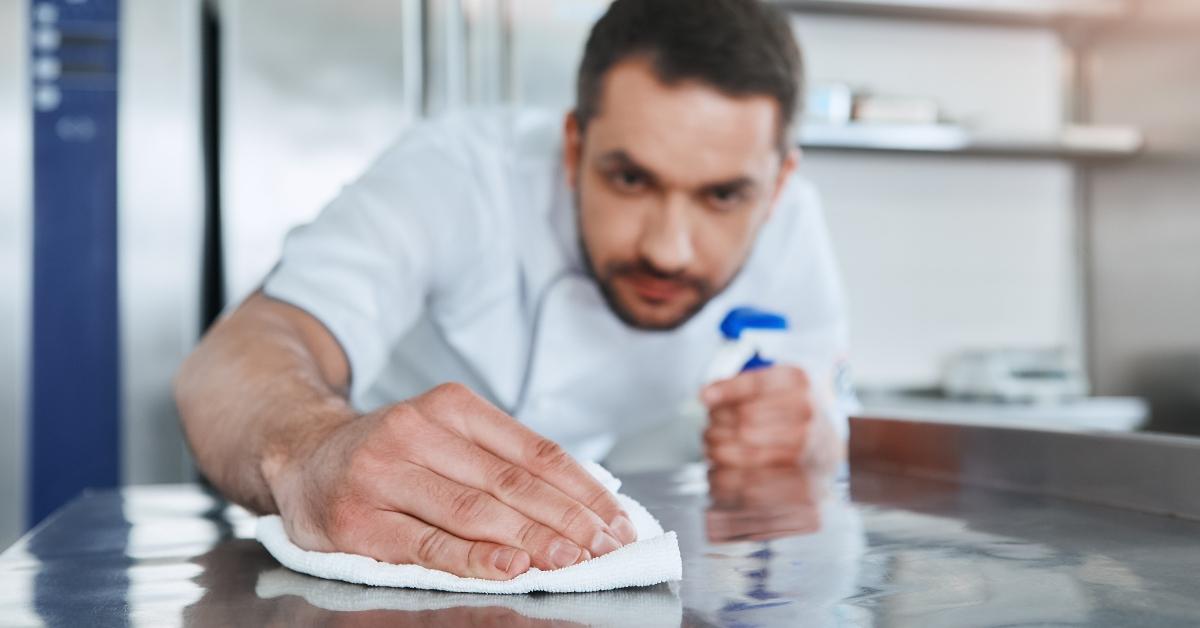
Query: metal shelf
(995,12)
(1072,143)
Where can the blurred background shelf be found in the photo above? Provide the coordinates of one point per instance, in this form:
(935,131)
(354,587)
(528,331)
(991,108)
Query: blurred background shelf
(1075,142)
(998,12)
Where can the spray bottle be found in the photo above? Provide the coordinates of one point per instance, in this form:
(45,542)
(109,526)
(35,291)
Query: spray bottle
(751,336)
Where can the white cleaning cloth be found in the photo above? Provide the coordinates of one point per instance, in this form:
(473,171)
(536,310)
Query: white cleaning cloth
(652,559)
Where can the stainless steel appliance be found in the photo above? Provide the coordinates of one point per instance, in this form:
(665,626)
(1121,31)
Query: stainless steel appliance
(106,98)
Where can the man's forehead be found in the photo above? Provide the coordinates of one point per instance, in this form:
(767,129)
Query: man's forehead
(687,129)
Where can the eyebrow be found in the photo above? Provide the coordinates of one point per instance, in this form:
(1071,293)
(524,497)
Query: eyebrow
(740,184)
(621,158)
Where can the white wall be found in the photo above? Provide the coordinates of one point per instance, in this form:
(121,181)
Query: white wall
(1000,78)
(15,238)
(941,253)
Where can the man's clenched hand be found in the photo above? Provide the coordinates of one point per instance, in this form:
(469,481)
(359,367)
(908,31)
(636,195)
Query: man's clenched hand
(767,417)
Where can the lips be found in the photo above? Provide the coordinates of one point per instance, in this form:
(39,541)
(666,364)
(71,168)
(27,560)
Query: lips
(656,290)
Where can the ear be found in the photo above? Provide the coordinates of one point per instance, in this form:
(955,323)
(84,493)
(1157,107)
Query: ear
(572,147)
(786,169)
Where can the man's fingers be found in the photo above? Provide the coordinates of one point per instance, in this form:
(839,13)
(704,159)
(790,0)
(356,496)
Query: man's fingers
(403,539)
(778,434)
(526,493)
(503,436)
(752,384)
(544,503)
(720,435)
(776,419)
(474,514)
(764,421)
(547,460)
(794,408)
(724,416)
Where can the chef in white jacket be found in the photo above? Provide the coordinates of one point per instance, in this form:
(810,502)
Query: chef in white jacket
(503,293)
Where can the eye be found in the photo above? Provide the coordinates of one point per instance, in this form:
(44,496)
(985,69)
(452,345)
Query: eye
(726,198)
(628,180)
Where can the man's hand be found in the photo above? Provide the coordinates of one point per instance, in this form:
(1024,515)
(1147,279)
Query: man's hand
(447,481)
(767,417)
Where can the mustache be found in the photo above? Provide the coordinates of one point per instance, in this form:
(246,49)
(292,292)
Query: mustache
(642,267)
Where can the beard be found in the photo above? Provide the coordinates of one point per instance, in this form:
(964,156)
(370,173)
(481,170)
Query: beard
(701,289)
(605,278)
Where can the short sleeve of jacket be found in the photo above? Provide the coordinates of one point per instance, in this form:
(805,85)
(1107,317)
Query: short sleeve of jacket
(384,248)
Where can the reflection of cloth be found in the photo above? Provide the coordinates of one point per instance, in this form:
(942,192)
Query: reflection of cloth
(657,605)
(652,559)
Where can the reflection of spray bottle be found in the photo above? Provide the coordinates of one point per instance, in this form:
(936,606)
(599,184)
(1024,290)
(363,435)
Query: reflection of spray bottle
(751,337)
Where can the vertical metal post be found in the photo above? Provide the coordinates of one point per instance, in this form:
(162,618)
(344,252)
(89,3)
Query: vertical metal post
(1075,111)
(487,51)
(412,72)
(508,60)
(161,209)
(212,270)
(444,55)
(15,215)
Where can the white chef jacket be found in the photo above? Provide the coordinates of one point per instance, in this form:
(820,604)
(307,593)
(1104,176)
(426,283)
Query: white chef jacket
(455,258)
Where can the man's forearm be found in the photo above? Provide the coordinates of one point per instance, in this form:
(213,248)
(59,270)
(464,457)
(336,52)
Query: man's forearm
(257,393)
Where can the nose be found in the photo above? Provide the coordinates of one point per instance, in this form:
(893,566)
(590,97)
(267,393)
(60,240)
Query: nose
(666,240)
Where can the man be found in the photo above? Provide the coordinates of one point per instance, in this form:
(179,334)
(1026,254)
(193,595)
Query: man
(570,276)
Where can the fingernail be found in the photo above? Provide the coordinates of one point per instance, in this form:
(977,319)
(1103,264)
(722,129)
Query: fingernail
(604,543)
(504,558)
(564,554)
(624,529)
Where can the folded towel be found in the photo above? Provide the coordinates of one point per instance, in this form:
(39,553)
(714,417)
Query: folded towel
(652,559)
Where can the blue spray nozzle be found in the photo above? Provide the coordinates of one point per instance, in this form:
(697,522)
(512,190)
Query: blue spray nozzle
(757,361)
(742,318)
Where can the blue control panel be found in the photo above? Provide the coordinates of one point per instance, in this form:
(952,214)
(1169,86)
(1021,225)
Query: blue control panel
(74,398)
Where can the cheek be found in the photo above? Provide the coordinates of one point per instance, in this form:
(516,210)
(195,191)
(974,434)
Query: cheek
(723,241)
(610,223)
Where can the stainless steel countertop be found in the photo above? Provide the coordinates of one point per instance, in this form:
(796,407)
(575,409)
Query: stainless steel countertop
(759,549)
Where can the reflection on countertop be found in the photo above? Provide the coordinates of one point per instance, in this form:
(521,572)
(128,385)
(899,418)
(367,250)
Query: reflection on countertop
(760,547)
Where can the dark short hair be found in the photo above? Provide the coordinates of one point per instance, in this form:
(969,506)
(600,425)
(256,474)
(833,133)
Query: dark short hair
(739,47)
